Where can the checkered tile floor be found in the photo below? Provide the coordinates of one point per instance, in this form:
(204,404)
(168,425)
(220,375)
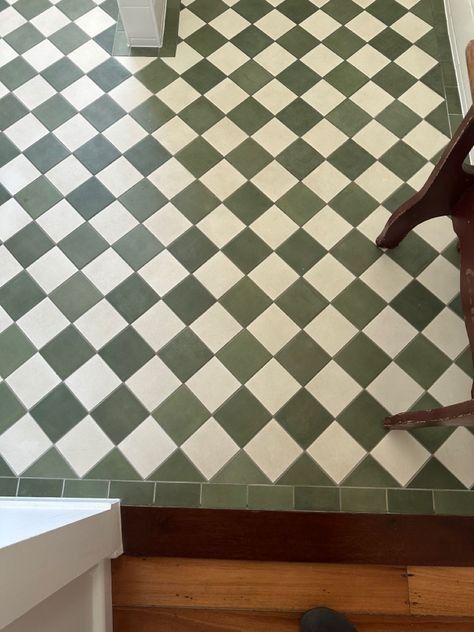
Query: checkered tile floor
(189,289)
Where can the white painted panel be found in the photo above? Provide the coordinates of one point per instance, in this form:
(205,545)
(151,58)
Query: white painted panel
(460,17)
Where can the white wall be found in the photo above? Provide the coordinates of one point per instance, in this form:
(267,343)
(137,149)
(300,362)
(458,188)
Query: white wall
(460,16)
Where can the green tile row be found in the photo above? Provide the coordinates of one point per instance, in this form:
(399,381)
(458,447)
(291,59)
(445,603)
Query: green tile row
(262,497)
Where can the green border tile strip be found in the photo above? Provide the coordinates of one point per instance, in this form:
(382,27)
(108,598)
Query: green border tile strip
(232,196)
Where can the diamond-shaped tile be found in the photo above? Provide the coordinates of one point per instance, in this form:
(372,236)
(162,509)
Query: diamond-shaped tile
(336,452)
(209,448)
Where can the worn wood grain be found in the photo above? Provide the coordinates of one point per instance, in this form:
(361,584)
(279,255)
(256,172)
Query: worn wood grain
(194,620)
(441,591)
(233,584)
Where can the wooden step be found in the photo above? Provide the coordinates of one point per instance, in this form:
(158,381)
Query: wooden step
(233,584)
(183,595)
(195,620)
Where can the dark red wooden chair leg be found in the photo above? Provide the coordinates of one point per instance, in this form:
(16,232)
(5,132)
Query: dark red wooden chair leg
(448,191)
(441,192)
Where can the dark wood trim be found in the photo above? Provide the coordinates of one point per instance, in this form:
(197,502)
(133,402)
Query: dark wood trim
(299,536)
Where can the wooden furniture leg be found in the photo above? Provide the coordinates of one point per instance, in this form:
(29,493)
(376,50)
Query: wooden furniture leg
(448,191)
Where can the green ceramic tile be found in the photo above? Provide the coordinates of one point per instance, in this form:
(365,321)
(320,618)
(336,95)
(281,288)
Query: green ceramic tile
(304,418)
(24,37)
(195,201)
(305,471)
(8,486)
(178,495)
(298,41)
(245,301)
(434,475)
(362,359)
(454,503)
(83,245)
(75,296)
(138,247)
(250,41)
(248,203)
(40,487)
(363,420)
(250,116)
(417,305)
(114,466)
(242,416)
(270,497)
(247,250)
(369,473)
(363,500)
(359,303)
(132,493)
(97,154)
(20,295)
(251,77)
(244,355)
(58,412)
(354,204)
(54,112)
(240,469)
(62,73)
(301,251)
(16,73)
(404,501)
(103,112)
(181,414)
(38,197)
(203,76)
(302,357)
(50,465)
(11,407)
(11,111)
(398,118)
(126,353)
(298,77)
(423,361)
(177,468)
(152,114)
(68,38)
(356,252)
(90,198)
(29,244)
(299,117)
(317,499)
(142,200)
(249,158)
(67,352)
(185,354)
(201,114)
(300,203)
(15,349)
(119,414)
(85,489)
(132,298)
(301,302)
(46,153)
(224,496)
(189,300)
(344,42)
(147,155)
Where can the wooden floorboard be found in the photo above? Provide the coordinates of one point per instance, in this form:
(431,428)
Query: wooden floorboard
(194,620)
(233,584)
(441,591)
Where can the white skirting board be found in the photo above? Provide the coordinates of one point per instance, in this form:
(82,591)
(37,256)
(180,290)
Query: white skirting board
(460,17)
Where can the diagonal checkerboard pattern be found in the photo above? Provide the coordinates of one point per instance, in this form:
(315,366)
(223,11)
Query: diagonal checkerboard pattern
(189,287)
